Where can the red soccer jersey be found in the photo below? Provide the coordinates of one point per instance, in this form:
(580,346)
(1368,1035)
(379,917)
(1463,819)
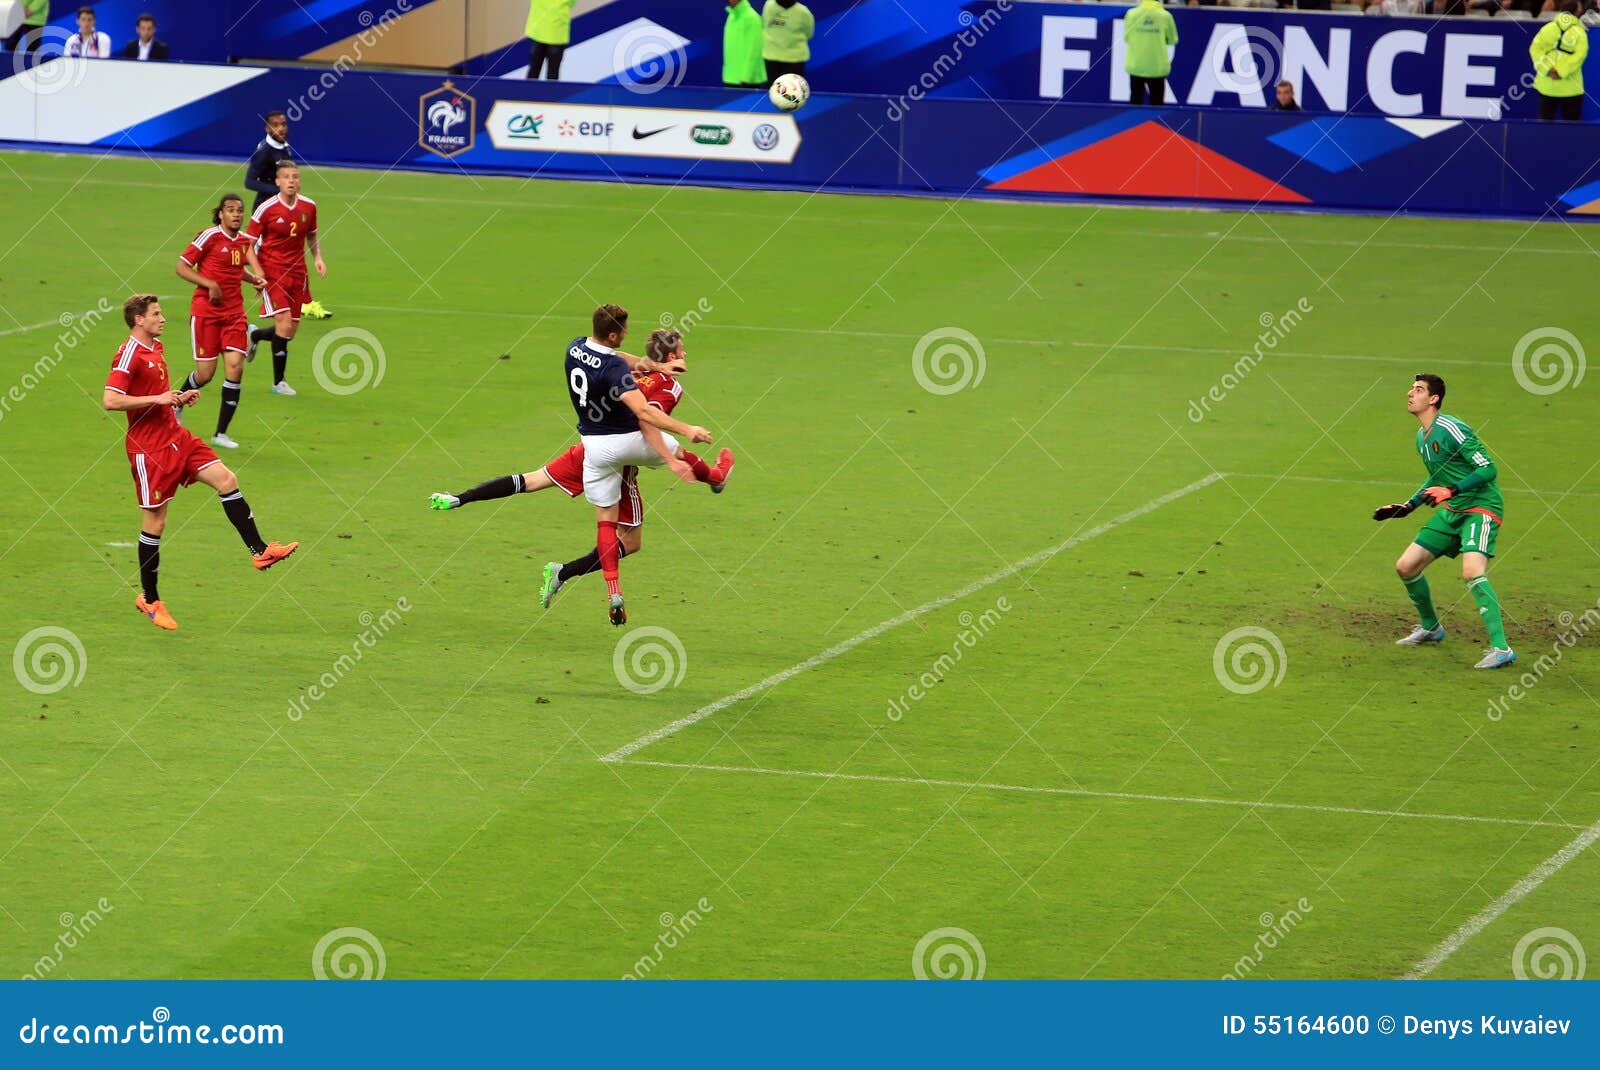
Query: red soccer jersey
(140,371)
(282,231)
(222,260)
(662,391)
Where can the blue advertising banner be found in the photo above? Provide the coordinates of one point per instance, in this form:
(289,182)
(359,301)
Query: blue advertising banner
(1242,157)
(731,1023)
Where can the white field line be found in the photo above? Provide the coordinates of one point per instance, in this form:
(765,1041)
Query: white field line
(1127,796)
(1233,351)
(31,327)
(1393,483)
(1517,892)
(905,618)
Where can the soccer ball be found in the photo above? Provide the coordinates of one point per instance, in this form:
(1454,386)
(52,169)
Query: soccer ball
(789,92)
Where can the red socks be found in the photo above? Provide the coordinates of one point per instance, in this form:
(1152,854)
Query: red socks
(702,470)
(608,546)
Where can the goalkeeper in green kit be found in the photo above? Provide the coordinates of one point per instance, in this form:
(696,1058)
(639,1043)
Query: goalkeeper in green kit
(1461,484)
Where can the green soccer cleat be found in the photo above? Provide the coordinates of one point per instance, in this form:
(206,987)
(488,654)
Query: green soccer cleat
(619,616)
(552,584)
(314,310)
(443,501)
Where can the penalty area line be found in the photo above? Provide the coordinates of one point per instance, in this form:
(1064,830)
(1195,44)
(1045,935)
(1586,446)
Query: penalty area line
(1514,895)
(907,617)
(1124,796)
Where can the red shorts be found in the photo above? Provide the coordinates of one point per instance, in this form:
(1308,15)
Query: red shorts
(286,293)
(210,334)
(566,471)
(158,475)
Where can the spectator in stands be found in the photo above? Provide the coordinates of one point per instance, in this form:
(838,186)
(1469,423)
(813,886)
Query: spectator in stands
(550,30)
(1558,52)
(786,29)
(35,13)
(1395,7)
(1286,101)
(145,46)
(1149,30)
(88,42)
(742,65)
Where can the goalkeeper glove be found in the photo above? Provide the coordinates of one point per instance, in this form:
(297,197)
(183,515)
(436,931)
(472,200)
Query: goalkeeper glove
(1391,512)
(1438,495)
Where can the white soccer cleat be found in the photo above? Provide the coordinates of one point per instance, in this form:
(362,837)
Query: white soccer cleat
(1420,636)
(1496,657)
(284,389)
(220,439)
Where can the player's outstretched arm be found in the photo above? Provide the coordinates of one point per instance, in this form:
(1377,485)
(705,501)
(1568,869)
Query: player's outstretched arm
(649,414)
(119,402)
(194,278)
(652,436)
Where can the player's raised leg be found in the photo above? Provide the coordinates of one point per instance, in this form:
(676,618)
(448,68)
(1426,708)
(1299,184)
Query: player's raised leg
(1409,568)
(264,554)
(490,489)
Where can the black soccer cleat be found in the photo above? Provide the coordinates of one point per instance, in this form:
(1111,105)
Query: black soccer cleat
(619,615)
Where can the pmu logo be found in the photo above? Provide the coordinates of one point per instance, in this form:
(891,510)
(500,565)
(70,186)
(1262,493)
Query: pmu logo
(446,120)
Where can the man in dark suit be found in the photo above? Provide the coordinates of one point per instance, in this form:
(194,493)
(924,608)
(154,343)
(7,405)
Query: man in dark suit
(145,46)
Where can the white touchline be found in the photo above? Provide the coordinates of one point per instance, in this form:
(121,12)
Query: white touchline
(31,327)
(905,618)
(1084,793)
(1518,892)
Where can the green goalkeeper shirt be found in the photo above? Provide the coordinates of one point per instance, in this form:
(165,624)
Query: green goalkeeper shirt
(1454,457)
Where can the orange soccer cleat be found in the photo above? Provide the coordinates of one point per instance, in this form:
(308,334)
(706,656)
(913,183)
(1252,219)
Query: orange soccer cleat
(157,612)
(275,552)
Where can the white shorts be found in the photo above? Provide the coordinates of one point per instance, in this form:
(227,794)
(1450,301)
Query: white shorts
(604,458)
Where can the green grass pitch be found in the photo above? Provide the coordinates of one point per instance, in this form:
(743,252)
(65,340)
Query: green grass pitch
(1076,790)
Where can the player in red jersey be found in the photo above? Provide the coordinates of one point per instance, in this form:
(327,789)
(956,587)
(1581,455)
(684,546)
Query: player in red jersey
(286,226)
(164,456)
(657,379)
(218,259)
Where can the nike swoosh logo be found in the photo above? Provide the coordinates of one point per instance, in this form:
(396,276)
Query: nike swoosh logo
(640,136)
